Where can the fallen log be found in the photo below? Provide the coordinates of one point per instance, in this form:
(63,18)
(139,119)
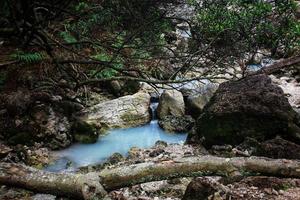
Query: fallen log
(80,186)
(282,64)
(92,185)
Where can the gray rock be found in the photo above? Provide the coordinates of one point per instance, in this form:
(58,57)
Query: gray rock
(115,158)
(43,197)
(176,124)
(252,107)
(127,111)
(171,103)
(195,103)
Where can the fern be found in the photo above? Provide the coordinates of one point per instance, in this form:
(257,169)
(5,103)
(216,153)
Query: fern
(28,57)
(67,37)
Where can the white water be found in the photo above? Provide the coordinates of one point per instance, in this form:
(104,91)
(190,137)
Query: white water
(118,140)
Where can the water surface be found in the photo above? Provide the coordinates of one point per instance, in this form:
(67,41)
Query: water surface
(118,140)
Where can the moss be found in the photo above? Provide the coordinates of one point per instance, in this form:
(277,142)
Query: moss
(128,116)
(84,132)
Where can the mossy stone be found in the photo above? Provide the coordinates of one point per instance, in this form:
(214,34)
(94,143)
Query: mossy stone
(84,132)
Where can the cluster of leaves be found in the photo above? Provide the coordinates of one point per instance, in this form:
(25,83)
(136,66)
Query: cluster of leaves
(28,57)
(107,72)
(248,25)
(129,30)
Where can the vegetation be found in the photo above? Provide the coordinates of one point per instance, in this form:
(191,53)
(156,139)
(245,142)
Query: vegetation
(134,39)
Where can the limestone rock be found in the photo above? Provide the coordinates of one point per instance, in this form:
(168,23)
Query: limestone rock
(171,103)
(126,111)
(252,107)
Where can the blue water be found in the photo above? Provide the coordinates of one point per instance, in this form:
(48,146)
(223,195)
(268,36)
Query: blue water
(118,140)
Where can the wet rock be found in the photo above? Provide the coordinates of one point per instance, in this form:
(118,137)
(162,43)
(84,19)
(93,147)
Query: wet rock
(84,132)
(127,111)
(115,158)
(134,153)
(252,107)
(176,124)
(171,103)
(156,152)
(160,143)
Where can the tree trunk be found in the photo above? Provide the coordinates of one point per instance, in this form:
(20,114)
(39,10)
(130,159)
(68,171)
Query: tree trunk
(81,186)
(89,186)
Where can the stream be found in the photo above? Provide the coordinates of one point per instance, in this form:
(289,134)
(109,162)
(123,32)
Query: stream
(115,141)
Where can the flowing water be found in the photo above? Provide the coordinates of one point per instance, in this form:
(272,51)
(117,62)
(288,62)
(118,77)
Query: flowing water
(118,140)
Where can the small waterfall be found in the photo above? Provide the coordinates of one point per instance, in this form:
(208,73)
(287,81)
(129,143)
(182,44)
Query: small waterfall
(153,107)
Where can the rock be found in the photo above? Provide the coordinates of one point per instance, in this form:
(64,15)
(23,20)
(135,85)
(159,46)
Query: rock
(147,88)
(170,103)
(84,132)
(17,102)
(200,188)
(156,152)
(252,107)
(127,111)
(196,103)
(41,124)
(121,88)
(43,197)
(176,124)
(70,107)
(116,87)
(115,158)
(134,153)
(290,88)
(4,150)
(276,148)
(161,143)
(54,128)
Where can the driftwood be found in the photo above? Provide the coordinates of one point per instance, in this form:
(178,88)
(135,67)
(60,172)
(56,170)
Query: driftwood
(285,63)
(94,185)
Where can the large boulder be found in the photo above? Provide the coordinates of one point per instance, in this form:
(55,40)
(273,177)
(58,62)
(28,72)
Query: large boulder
(251,107)
(127,111)
(171,103)
(42,124)
(175,124)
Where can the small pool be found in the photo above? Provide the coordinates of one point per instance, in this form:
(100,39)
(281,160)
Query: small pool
(118,140)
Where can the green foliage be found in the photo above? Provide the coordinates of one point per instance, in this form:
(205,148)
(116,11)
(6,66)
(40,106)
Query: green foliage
(124,18)
(247,25)
(81,6)
(67,37)
(28,57)
(117,63)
